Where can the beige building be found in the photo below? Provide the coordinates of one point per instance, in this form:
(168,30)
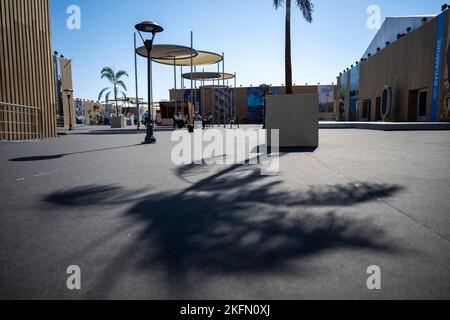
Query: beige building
(66,115)
(249,101)
(27,92)
(90,112)
(410,56)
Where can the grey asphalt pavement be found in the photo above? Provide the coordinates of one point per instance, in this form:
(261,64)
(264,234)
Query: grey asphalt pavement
(140,227)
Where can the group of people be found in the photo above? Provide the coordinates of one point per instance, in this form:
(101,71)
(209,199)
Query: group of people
(205,121)
(180,121)
(208,121)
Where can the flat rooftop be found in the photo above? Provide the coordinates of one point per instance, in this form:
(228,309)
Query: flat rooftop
(140,227)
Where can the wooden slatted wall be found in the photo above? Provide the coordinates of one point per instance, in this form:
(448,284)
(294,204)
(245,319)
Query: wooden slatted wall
(26,69)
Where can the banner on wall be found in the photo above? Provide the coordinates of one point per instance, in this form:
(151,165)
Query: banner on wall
(326,99)
(445,89)
(342,96)
(437,67)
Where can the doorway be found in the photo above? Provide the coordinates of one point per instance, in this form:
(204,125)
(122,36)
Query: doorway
(422,105)
(366,110)
(378,109)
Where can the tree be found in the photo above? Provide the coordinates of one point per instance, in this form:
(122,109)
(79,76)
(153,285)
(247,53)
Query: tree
(306,7)
(116,85)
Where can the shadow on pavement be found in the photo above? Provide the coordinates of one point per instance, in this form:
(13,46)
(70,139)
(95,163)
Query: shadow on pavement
(59,156)
(284,150)
(234,221)
(110,132)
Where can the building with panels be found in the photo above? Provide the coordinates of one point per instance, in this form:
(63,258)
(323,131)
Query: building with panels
(410,58)
(66,116)
(27,91)
(247,103)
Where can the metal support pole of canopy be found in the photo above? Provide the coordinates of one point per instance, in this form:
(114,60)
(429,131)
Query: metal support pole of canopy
(182,88)
(192,67)
(223,80)
(216,96)
(136,83)
(213,104)
(175,83)
(235,100)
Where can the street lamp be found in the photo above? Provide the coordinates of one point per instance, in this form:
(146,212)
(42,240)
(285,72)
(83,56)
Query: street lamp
(265,90)
(69,93)
(153,28)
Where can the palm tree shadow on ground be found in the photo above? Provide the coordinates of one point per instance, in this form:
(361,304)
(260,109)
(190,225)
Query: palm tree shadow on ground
(235,221)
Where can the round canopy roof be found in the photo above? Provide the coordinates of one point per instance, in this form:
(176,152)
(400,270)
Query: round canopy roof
(202,58)
(198,76)
(168,52)
(119,100)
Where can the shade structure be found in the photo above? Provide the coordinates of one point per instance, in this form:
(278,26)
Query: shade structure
(202,58)
(199,76)
(140,103)
(120,99)
(168,52)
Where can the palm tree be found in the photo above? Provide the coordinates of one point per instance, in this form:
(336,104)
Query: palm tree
(116,85)
(306,7)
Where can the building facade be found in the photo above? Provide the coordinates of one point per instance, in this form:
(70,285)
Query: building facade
(411,57)
(27,92)
(90,113)
(247,103)
(66,115)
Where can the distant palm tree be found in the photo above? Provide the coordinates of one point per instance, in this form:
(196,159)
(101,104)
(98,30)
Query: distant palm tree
(306,7)
(116,85)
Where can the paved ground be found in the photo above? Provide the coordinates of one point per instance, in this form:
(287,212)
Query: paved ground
(139,227)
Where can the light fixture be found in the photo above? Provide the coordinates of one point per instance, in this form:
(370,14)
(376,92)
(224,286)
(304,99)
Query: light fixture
(149,26)
(153,28)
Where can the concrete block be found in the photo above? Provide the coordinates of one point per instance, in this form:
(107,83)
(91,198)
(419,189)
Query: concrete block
(118,122)
(297,118)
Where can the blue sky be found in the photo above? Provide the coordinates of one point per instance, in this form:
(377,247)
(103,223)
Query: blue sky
(250,32)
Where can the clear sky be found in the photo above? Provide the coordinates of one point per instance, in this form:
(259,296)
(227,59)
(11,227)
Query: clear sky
(250,32)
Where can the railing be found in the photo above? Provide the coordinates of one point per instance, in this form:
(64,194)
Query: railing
(61,121)
(19,122)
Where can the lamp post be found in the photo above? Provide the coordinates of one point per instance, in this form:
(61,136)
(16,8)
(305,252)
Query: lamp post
(153,28)
(69,93)
(265,90)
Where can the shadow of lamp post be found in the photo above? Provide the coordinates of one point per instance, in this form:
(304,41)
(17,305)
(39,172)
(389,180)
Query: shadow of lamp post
(153,28)
(69,93)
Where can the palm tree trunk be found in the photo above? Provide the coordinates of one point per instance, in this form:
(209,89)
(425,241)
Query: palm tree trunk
(288,57)
(115,98)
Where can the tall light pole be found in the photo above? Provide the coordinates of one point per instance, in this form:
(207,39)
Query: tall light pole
(265,90)
(153,28)
(136,84)
(69,93)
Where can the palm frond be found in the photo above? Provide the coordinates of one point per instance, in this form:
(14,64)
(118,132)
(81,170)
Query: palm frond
(107,70)
(121,74)
(122,84)
(108,73)
(307,8)
(102,92)
(278,3)
(124,94)
(108,76)
(107,97)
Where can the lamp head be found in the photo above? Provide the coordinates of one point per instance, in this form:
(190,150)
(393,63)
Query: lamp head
(149,26)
